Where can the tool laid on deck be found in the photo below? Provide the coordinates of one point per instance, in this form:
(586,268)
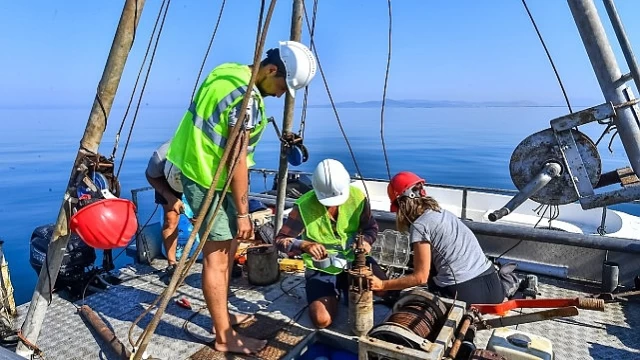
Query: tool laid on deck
(184,303)
(360,294)
(488,324)
(503,308)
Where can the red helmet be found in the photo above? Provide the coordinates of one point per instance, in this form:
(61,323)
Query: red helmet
(106,224)
(402,184)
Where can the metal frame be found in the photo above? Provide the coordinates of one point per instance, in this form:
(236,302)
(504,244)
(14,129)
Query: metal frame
(562,127)
(620,106)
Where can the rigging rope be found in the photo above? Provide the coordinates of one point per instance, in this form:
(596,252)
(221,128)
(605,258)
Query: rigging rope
(564,93)
(333,105)
(144,86)
(384,96)
(135,86)
(206,55)
(312,32)
(238,141)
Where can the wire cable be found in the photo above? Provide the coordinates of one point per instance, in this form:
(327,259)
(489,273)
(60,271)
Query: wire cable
(333,106)
(206,55)
(564,93)
(312,32)
(144,86)
(135,85)
(384,95)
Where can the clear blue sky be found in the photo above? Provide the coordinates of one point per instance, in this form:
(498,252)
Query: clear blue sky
(53,52)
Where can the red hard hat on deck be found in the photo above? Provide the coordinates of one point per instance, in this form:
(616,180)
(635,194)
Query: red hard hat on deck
(106,224)
(401,182)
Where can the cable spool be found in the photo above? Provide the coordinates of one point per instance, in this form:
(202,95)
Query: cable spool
(416,319)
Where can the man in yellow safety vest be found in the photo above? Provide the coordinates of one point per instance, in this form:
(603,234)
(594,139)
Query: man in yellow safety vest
(327,219)
(198,146)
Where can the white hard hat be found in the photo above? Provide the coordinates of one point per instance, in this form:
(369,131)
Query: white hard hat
(173,176)
(299,63)
(331,183)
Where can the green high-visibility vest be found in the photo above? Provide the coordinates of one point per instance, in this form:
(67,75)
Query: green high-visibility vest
(199,142)
(318,227)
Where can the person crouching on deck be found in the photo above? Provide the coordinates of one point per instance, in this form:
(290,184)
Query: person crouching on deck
(441,243)
(328,218)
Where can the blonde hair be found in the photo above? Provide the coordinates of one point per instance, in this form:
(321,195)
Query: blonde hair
(411,209)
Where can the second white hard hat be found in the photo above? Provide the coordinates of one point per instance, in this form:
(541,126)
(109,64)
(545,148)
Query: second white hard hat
(299,63)
(331,182)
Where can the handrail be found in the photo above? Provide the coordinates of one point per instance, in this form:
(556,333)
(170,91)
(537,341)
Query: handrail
(436,185)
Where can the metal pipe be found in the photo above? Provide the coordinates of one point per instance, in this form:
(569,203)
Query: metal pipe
(629,194)
(105,333)
(608,74)
(555,237)
(541,235)
(608,178)
(89,145)
(360,293)
(625,45)
(287,120)
(550,171)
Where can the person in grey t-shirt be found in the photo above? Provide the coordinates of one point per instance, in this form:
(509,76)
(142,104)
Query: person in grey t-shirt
(169,199)
(446,252)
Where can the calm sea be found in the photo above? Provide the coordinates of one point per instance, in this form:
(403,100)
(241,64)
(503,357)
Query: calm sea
(462,146)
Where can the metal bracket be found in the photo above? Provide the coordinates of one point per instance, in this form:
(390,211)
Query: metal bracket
(575,165)
(423,344)
(596,113)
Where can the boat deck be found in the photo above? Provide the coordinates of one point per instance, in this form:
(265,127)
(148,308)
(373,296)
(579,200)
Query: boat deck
(282,318)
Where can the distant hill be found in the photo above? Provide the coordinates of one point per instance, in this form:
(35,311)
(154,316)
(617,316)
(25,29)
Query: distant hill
(433,104)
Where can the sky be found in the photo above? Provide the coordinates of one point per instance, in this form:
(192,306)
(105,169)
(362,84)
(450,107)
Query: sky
(53,52)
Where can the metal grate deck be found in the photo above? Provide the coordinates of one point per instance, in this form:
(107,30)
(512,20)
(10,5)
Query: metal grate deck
(591,335)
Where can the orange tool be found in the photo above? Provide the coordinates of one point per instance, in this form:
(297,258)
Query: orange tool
(503,308)
(184,303)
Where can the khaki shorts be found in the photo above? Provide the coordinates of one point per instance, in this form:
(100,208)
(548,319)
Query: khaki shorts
(225,226)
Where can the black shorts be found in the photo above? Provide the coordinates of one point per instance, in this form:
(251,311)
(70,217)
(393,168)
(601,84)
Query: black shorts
(320,284)
(485,288)
(162,201)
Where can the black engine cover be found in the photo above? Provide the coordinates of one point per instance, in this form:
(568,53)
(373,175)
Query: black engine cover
(77,257)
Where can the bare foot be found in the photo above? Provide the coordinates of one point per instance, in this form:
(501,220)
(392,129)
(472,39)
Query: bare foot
(236,318)
(240,344)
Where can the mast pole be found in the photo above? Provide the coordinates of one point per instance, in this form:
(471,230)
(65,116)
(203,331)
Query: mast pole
(611,80)
(287,120)
(122,42)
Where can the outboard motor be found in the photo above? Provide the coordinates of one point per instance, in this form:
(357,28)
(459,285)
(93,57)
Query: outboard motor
(77,261)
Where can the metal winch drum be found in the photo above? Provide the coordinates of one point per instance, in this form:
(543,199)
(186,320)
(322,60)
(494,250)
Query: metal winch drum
(415,320)
(534,152)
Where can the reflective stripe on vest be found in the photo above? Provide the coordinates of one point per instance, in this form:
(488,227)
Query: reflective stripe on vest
(319,228)
(200,140)
(208,125)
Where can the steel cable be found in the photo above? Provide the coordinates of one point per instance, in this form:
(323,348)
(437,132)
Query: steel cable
(333,105)
(384,95)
